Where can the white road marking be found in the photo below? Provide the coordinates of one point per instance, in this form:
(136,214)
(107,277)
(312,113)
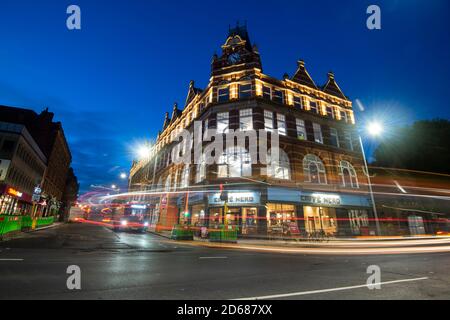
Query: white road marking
(302,293)
(213,258)
(11,259)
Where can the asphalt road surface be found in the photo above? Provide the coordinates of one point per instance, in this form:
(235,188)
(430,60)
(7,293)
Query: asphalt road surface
(146,266)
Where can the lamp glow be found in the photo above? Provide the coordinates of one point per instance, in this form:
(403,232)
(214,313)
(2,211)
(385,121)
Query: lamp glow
(374,129)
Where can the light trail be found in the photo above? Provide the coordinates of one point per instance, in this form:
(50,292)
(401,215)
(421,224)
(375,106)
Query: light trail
(324,251)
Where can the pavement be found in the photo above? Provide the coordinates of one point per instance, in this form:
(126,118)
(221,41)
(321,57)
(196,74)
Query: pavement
(147,266)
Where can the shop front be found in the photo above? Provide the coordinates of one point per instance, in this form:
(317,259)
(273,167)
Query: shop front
(292,211)
(239,211)
(14,202)
(336,214)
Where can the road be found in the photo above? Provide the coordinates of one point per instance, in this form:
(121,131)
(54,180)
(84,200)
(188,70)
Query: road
(147,266)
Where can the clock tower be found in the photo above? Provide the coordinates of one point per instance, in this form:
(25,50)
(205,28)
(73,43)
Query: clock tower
(237,53)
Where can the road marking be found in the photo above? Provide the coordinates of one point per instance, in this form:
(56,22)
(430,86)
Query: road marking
(302,293)
(213,258)
(11,259)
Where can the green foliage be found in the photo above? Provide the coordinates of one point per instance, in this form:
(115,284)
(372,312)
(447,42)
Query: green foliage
(423,146)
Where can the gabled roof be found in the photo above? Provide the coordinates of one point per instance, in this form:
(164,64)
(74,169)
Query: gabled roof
(192,92)
(302,76)
(331,87)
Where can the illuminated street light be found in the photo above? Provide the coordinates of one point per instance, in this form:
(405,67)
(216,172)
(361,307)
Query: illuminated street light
(113,186)
(374,128)
(123,175)
(143,151)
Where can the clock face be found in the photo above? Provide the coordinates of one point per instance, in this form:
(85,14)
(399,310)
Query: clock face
(234,58)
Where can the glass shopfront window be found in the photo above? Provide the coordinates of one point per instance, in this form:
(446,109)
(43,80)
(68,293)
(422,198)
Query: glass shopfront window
(198,215)
(249,219)
(215,217)
(279,217)
(320,219)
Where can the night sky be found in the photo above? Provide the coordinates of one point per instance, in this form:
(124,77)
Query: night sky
(111,82)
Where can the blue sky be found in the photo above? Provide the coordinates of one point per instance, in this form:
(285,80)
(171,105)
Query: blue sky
(111,82)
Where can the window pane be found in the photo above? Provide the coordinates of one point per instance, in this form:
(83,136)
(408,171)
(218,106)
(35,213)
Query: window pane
(301,130)
(317,133)
(246,119)
(277,96)
(223,94)
(266,92)
(222,122)
(245,90)
(334,137)
(298,102)
(313,106)
(330,112)
(281,123)
(268,120)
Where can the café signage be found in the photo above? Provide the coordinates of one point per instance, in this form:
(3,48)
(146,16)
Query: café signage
(236,198)
(15,192)
(321,198)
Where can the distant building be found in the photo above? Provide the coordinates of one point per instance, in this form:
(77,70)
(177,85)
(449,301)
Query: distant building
(50,138)
(318,183)
(22,168)
(70,194)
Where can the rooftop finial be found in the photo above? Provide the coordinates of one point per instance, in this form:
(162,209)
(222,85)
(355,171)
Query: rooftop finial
(331,75)
(301,63)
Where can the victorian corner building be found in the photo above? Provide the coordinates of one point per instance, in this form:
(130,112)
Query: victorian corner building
(317,184)
(35,175)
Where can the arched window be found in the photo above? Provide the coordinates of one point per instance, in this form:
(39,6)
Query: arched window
(278,168)
(348,173)
(234,162)
(314,170)
(184,182)
(201,170)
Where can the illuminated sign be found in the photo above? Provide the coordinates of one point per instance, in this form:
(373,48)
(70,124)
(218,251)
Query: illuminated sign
(138,206)
(236,198)
(322,198)
(15,192)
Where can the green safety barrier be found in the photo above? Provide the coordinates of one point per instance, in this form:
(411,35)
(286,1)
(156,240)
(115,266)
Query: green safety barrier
(224,234)
(182,233)
(10,224)
(44,221)
(26,222)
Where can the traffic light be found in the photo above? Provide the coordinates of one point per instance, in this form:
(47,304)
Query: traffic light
(223,193)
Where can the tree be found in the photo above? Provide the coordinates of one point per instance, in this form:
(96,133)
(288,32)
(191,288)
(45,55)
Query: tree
(422,146)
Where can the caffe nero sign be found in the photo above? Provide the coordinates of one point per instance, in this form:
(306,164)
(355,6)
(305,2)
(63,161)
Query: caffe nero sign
(236,198)
(322,199)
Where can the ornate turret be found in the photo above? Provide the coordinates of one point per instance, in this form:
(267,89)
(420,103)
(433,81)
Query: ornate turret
(237,52)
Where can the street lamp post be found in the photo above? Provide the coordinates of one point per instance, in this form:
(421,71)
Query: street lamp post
(374,129)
